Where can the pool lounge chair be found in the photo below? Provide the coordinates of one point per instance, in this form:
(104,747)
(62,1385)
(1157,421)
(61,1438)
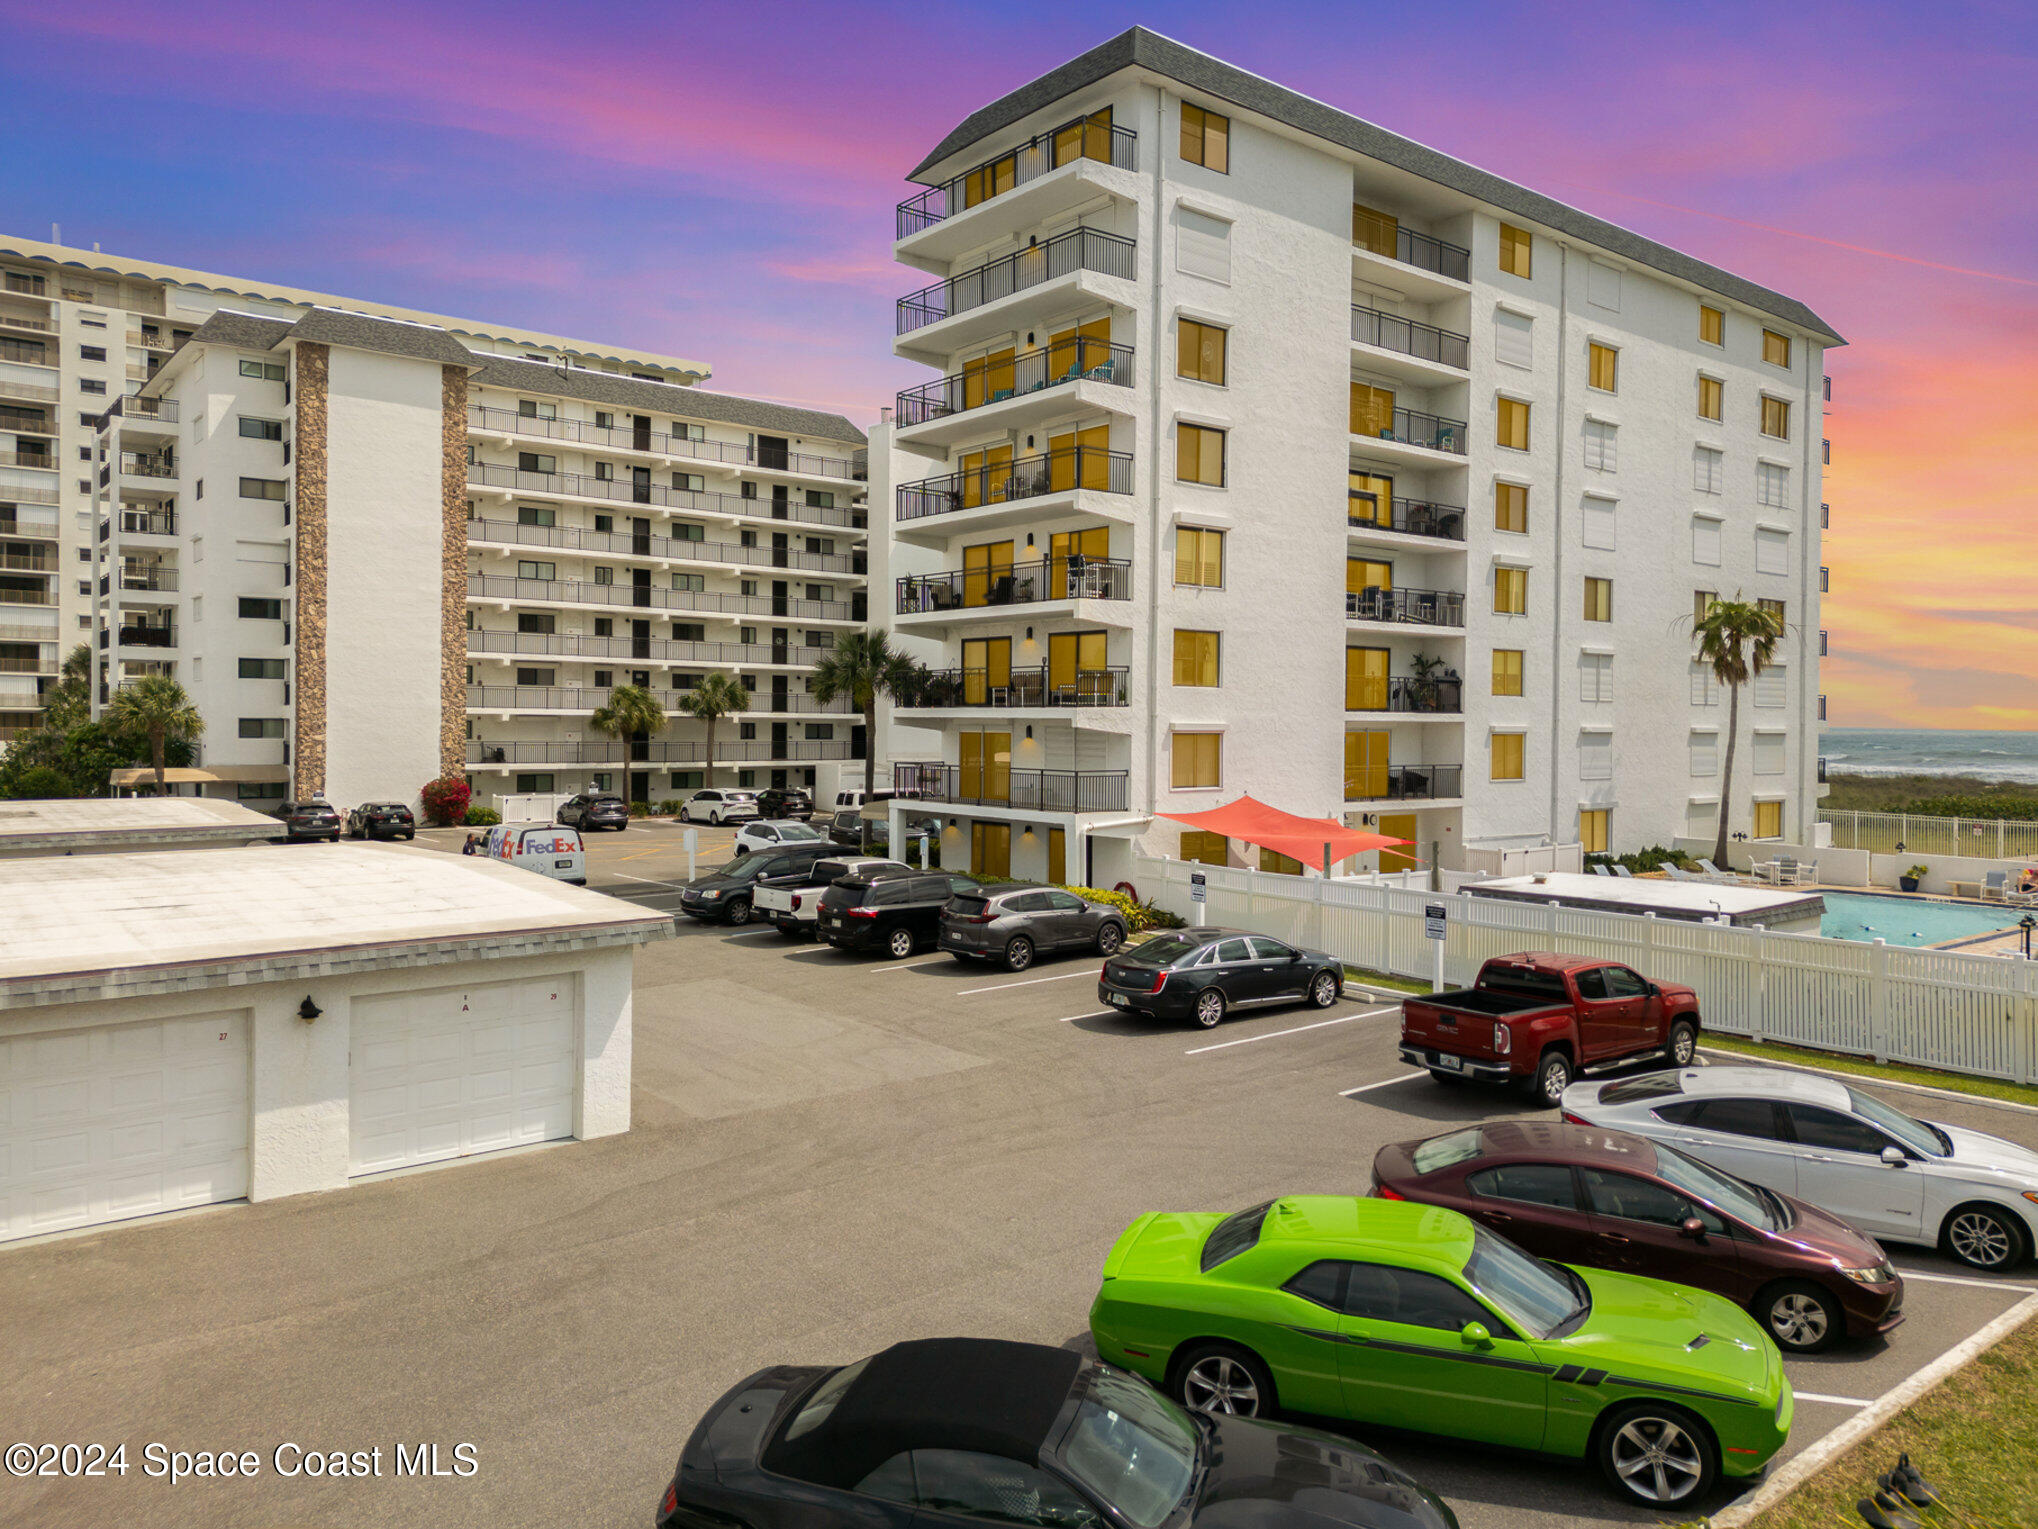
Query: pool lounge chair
(1675,873)
(1624,872)
(1710,872)
(1600,870)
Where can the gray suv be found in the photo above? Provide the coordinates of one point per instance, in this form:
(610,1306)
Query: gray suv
(1012,924)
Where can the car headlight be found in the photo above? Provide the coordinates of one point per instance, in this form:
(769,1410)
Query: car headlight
(710,896)
(1875,1274)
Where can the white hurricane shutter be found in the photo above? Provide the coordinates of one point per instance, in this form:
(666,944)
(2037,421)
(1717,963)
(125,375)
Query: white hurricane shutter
(1772,552)
(1600,451)
(1595,756)
(1705,755)
(1769,753)
(1705,690)
(1705,541)
(1708,469)
(1202,245)
(1595,678)
(1772,485)
(1771,686)
(1602,285)
(1597,524)
(1513,339)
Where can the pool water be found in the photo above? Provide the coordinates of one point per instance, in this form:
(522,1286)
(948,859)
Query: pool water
(1908,921)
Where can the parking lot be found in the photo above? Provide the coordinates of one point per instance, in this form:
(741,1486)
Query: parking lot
(828,1154)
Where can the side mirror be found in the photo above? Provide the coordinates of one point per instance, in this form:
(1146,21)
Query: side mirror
(1294,955)
(1692,1227)
(1475,1333)
(1893,1156)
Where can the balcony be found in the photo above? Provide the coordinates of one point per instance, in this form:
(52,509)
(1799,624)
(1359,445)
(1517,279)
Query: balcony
(654,751)
(40,594)
(1412,427)
(1407,693)
(984,383)
(147,576)
(41,459)
(1035,689)
(22,321)
(1083,139)
(1069,578)
(644,650)
(1406,607)
(630,544)
(1406,783)
(1407,517)
(1406,260)
(1080,249)
(27,562)
(585,698)
(488,586)
(148,636)
(1067,471)
(732,454)
(150,339)
(48,666)
(17,493)
(145,412)
(156,465)
(1026,790)
(27,352)
(553,485)
(16,522)
(135,522)
(14,386)
(1822,768)
(1435,348)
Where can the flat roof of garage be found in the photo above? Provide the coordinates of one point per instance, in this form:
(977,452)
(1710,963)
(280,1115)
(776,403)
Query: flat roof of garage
(82,928)
(98,823)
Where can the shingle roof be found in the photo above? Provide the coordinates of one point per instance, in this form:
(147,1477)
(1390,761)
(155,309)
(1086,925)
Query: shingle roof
(391,337)
(247,330)
(665,398)
(1139,48)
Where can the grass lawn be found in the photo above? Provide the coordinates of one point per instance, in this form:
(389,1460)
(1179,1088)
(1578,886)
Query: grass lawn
(1971,1437)
(1385,980)
(1900,793)
(1892,1072)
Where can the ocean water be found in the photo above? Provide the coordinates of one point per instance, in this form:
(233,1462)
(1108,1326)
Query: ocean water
(1926,751)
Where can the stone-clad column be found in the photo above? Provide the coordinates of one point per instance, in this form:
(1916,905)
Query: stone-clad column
(453,573)
(308,756)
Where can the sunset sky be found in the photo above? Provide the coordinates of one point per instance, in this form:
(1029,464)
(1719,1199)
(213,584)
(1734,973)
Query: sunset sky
(716,181)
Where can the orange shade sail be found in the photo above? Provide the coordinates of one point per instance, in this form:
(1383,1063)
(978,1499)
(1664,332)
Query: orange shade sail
(1298,838)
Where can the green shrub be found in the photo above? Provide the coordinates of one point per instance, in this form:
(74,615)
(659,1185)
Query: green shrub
(1139,917)
(669,808)
(640,809)
(482,817)
(1642,861)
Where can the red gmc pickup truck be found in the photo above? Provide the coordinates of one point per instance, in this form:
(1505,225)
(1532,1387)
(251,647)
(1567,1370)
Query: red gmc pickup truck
(1538,1018)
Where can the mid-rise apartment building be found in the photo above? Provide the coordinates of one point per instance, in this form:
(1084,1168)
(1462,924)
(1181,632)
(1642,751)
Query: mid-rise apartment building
(1271,452)
(78,330)
(375,555)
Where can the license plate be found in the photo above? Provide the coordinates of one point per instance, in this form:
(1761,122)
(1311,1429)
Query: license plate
(1449,1063)
(1118,998)
(562,865)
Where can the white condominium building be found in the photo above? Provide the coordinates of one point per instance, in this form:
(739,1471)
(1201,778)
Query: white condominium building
(375,555)
(1271,452)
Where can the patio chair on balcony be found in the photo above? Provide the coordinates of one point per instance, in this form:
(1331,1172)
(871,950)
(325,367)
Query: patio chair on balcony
(1102,373)
(1001,590)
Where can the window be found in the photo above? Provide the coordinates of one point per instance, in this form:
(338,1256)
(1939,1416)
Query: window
(261,668)
(1200,352)
(1595,678)
(1506,751)
(1775,348)
(1513,430)
(1769,753)
(1206,139)
(261,727)
(1531,1183)
(818,732)
(259,791)
(260,610)
(531,408)
(1198,758)
(1775,610)
(262,488)
(1602,446)
(1199,455)
(1705,546)
(1598,523)
(1776,417)
(534,570)
(1712,325)
(1202,245)
(1768,819)
(1507,671)
(1366,683)
(1374,230)
(1772,485)
(536,515)
(1516,250)
(1711,396)
(1704,753)
(1598,599)
(1204,848)
(604,472)
(261,429)
(533,784)
(1513,339)
(1381,1293)
(1510,507)
(1199,557)
(686,531)
(536,462)
(694,483)
(1604,370)
(1626,1198)
(1372,411)
(544,625)
(1195,658)
(1322,1282)
(1708,470)
(537,677)
(1272,860)
(1826,1130)
(1510,591)
(1772,552)
(1705,685)
(87,385)
(268,371)
(1729,1117)
(694,582)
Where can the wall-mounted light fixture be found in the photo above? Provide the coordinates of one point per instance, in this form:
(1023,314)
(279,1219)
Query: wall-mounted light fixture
(308,1011)
(1029,732)
(1029,538)
(1029,634)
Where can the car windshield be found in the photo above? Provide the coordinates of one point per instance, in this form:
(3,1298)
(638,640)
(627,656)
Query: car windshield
(1168,948)
(1914,1134)
(1132,1448)
(746,865)
(1443,1151)
(1535,1296)
(1741,1201)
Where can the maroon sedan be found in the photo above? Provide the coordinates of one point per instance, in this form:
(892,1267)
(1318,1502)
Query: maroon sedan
(1609,1200)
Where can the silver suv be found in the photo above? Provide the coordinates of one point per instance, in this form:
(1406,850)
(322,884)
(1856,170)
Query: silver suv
(1012,924)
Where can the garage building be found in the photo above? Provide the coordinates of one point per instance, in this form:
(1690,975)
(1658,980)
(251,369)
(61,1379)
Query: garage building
(183,1028)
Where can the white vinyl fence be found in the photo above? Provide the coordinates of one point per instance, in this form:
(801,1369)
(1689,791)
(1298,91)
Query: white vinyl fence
(1977,838)
(1964,1013)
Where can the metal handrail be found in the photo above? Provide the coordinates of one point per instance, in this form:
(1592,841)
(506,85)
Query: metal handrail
(1412,427)
(1406,783)
(653,751)
(148,636)
(1080,249)
(1425,342)
(658,443)
(622,491)
(1415,607)
(628,650)
(1414,517)
(1428,253)
(1035,686)
(146,411)
(588,697)
(629,544)
(1064,578)
(574,591)
(1047,472)
(1039,790)
(1084,359)
(1032,160)
(1404,692)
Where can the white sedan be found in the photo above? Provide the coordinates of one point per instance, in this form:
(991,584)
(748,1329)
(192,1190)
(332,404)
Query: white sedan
(776,835)
(1845,1151)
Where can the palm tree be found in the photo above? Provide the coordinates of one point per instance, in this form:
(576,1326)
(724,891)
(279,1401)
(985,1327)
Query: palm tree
(714,698)
(630,713)
(864,666)
(69,701)
(1737,641)
(155,708)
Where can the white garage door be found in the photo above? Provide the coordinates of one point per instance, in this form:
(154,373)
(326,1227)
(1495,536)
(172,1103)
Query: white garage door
(460,1070)
(122,1120)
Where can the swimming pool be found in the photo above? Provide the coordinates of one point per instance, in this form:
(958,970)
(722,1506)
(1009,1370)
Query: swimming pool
(1906,920)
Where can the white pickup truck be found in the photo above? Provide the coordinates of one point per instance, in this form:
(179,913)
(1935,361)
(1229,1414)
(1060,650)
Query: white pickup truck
(789,902)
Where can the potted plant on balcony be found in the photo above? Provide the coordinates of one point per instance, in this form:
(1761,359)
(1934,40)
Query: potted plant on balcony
(1423,689)
(1910,879)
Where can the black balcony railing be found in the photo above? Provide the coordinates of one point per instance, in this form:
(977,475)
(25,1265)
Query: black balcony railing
(148,636)
(146,576)
(630,544)
(145,523)
(659,443)
(1430,254)
(1032,371)
(140,411)
(1414,607)
(1405,692)
(1080,249)
(1049,472)
(1412,427)
(1822,769)
(1405,783)
(578,698)
(647,597)
(1425,342)
(656,751)
(636,490)
(137,466)
(644,650)
(1032,790)
(33,352)
(1413,517)
(1040,686)
(1064,578)
(1084,138)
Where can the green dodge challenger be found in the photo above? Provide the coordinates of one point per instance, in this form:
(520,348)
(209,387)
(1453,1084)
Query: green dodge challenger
(1411,1316)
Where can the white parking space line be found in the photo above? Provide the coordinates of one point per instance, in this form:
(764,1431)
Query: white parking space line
(1833,1401)
(910,966)
(1367,1088)
(753,934)
(1069,1019)
(1955,1279)
(1000,987)
(626,876)
(1274,1035)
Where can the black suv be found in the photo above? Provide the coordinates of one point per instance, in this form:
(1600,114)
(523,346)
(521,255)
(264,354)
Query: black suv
(309,820)
(594,809)
(381,820)
(782,802)
(723,896)
(895,912)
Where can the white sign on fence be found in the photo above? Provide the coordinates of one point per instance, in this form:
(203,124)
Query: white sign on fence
(1433,916)
(1196,888)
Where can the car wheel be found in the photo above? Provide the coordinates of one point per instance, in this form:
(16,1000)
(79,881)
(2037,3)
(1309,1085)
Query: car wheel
(1552,1076)
(1802,1318)
(1983,1237)
(737,910)
(1323,992)
(1209,1008)
(1229,1382)
(899,943)
(1109,937)
(1018,954)
(1683,1044)
(1656,1455)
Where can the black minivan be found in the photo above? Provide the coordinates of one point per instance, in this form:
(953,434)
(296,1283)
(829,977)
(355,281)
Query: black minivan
(897,912)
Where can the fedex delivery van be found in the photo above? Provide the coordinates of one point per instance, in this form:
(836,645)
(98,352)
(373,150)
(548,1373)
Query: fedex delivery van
(542,847)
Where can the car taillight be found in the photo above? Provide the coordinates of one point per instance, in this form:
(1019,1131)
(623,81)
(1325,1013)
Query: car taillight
(859,913)
(977,918)
(1570,1119)
(1503,1040)
(669,1503)
(1160,980)
(797,903)
(1388,1194)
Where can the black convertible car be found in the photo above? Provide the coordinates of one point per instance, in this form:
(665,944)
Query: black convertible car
(1203,974)
(952,1433)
